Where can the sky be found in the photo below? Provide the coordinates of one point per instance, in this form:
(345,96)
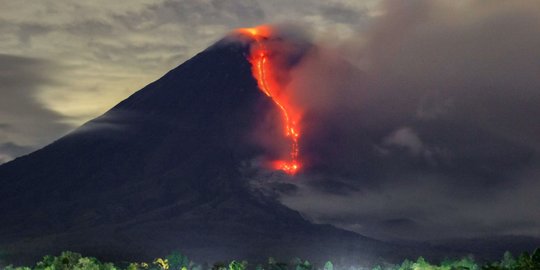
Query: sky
(436,117)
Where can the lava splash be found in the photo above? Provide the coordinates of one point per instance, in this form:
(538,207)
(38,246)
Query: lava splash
(263,72)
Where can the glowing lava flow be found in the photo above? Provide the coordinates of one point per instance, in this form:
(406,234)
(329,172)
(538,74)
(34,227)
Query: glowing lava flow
(262,71)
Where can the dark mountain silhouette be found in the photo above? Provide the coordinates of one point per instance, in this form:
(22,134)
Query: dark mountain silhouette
(161,171)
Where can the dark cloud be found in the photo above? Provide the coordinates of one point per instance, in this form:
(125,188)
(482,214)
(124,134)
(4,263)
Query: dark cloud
(9,150)
(24,123)
(427,207)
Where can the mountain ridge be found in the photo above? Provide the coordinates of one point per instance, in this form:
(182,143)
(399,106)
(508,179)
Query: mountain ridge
(160,171)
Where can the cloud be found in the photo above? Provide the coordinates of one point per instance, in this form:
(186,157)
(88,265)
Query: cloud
(405,138)
(25,124)
(426,120)
(9,151)
(422,207)
(110,49)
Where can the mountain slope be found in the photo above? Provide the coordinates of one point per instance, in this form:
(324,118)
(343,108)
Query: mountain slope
(160,171)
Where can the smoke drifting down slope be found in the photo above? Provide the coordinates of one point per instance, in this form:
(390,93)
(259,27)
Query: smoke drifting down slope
(431,100)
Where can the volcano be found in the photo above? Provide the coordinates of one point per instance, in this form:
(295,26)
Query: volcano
(162,171)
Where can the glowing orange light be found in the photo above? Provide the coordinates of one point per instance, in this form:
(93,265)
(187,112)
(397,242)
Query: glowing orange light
(263,72)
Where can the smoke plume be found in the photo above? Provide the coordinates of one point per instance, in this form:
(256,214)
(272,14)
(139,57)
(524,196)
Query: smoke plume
(438,96)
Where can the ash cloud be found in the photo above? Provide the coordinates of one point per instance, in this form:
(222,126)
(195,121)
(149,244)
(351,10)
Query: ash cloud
(427,120)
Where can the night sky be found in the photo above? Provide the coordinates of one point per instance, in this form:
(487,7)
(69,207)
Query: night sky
(425,114)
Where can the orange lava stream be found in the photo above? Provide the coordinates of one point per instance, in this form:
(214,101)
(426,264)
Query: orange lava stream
(262,71)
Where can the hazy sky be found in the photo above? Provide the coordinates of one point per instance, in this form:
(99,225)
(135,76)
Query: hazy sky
(64,62)
(438,133)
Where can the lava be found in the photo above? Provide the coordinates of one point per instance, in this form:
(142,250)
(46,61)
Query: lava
(264,74)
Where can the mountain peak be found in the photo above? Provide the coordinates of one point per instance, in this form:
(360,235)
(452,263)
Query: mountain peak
(160,171)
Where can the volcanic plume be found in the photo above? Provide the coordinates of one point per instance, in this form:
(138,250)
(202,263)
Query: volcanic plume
(264,73)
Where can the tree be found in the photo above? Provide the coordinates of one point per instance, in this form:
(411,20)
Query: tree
(275,265)
(525,262)
(328,266)
(536,258)
(234,265)
(305,265)
(219,266)
(406,265)
(162,263)
(177,261)
(508,261)
(421,263)
(68,260)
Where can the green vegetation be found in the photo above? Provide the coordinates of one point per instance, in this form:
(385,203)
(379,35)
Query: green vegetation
(176,261)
